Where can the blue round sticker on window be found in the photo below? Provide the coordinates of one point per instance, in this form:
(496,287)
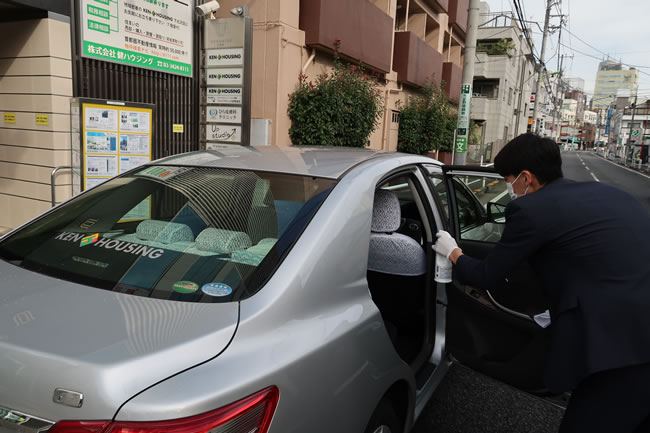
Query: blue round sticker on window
(216,289)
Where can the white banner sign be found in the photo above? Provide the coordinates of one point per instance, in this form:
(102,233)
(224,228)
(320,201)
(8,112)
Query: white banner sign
(225,133)
(225,76)
(225,57)
(225,95)
(223,114)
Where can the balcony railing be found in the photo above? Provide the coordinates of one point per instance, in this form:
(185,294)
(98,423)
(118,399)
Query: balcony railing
(415,61)
(365,31)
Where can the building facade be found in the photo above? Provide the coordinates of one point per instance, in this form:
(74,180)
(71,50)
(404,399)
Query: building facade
(611,78)
(503,81)
(406,42)
(409,42)
(35,91)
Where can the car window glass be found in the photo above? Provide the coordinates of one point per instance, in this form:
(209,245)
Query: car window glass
(169,232)
(440,189)
(411,221)
(473,195)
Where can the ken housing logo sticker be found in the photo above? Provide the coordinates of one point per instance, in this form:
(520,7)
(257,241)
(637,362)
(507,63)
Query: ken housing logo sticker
(111,244)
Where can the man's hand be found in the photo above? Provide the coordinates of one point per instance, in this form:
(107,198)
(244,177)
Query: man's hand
(446,245)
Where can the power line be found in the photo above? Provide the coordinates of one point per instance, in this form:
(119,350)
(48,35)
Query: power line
(602,52)
(598,58)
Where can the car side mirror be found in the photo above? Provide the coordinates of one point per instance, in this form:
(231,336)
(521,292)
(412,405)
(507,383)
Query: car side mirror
(496,213)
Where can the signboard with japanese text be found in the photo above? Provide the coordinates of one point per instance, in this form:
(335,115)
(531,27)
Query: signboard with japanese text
(150,34)
(227,66)
(115,138)
(463,118)
(223,114)
(224,95)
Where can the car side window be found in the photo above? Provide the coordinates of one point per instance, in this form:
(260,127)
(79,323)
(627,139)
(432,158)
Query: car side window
(411,221)
(481,201)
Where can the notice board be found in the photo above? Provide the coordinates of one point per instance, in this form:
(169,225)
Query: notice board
(114,137)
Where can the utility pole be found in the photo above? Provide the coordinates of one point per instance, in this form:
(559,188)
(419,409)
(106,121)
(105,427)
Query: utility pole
(557,107)
(629,140)
(462,131)
(549,5)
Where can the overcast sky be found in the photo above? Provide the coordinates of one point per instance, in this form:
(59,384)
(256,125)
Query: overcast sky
(620,28)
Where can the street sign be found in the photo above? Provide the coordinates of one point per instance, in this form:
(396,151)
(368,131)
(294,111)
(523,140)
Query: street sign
(461,144)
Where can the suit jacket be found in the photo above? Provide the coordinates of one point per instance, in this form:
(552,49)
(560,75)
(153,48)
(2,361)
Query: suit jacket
(589,244)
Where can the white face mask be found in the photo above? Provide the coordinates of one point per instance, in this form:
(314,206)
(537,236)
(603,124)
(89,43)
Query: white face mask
(511,190)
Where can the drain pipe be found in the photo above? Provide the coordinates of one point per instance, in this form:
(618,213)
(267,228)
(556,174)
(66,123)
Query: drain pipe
(309,60)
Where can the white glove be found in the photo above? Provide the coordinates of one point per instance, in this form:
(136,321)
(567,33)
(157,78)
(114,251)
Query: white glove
(445,244)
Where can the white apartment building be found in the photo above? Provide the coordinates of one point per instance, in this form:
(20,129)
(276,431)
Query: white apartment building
(590,117)
(503,81)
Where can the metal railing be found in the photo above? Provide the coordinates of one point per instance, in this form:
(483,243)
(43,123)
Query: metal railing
(52,178)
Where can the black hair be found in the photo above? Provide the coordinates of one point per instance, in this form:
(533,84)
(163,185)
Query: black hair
(540,156)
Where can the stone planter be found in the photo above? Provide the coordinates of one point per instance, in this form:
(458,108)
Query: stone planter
(445,157)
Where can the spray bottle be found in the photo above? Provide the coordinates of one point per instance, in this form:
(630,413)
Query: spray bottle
(443,269)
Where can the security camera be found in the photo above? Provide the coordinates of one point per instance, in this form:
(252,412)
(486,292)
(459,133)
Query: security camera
(207,8)
(237,11)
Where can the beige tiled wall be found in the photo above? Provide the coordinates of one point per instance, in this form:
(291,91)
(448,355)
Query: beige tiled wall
(35,79)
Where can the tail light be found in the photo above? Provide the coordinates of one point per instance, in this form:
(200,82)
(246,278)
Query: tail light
(252,414)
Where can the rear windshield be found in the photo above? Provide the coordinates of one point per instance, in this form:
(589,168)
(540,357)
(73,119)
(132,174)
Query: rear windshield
(183,233)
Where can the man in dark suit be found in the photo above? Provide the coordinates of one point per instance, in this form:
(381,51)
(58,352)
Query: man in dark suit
(589,244)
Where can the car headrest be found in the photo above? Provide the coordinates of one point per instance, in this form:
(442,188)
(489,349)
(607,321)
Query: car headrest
(386,213)
(163,232)
(222,241)
(396,254)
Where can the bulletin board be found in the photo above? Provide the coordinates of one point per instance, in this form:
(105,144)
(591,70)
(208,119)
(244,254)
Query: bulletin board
(115,137)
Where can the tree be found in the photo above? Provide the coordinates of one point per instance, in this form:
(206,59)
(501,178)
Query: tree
(342,108)
(427,122)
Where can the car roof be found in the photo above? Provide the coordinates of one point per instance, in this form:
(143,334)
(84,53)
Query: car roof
(326,162)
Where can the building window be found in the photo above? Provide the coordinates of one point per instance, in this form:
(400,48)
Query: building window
(486,88)
(395,117)
(510,96)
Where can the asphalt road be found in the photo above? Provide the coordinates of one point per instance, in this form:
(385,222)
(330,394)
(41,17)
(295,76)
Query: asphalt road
(587,166)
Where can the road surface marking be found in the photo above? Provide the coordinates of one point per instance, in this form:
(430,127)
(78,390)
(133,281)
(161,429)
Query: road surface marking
(625,168)
(594,176)
(497,198)
(586,167)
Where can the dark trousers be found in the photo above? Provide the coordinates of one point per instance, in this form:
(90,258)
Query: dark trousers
(612,401)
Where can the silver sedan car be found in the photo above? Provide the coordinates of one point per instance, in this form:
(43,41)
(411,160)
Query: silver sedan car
(254,290)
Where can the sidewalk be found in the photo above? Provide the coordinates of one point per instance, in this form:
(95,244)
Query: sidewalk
(644,168)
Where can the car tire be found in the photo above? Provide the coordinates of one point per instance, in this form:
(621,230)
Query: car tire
(384,420)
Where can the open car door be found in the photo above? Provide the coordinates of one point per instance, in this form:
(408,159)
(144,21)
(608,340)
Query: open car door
(491,330)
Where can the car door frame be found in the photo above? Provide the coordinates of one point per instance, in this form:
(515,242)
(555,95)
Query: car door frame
(503,316)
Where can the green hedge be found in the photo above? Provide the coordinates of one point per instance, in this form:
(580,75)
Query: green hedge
(341,108)
(427,122)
